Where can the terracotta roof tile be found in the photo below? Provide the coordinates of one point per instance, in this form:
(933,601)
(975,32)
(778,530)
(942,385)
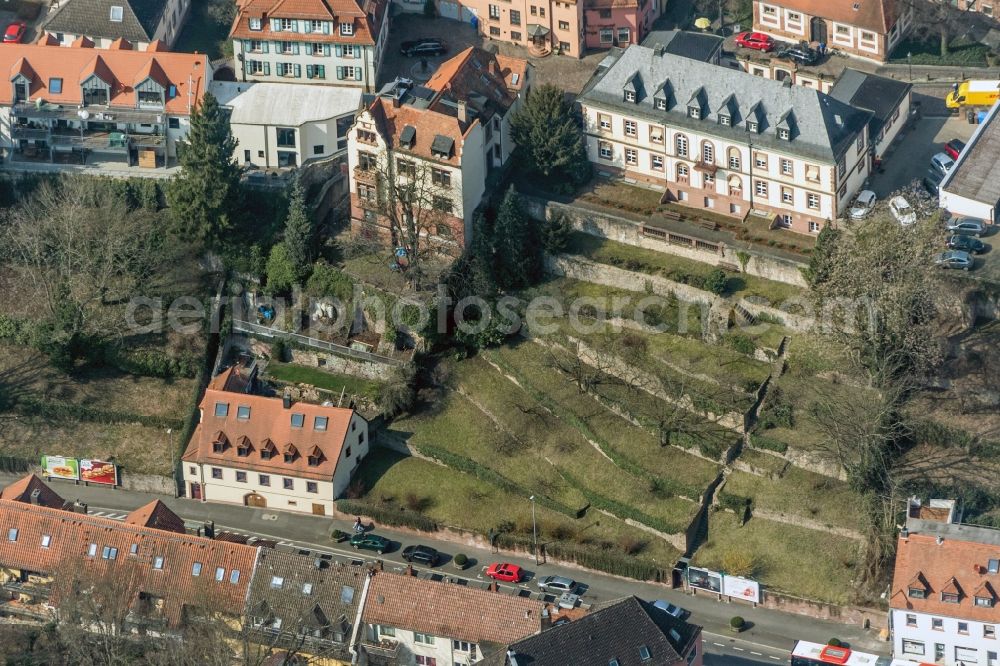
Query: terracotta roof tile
(451,611)
(366,15)
(83,42)
(22,491)
(158,516)
(70,536)
(46,39)
(268,421)
(186,72)
(952,566)
(876,15)
(428,123)
(121,44)
(157,46)
(476,71)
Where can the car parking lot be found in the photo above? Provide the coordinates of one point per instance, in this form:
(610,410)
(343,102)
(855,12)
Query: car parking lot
(910,157)
(567,72)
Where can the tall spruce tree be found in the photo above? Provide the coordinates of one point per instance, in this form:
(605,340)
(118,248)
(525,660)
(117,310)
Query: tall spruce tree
(204,196)
(549,138)
(517,251)
(299,231)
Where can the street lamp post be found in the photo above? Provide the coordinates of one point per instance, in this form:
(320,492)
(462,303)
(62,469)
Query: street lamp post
(534,530)
(909,64)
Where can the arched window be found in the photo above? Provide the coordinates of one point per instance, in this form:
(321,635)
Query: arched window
(681,144)
(707,152)
(734,158)
(683,172)
(735,186)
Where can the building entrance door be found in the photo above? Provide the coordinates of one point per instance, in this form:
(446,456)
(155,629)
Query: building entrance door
(196,491)
(253,499)
(318,510)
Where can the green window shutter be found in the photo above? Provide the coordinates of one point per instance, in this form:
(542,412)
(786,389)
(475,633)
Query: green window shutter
(298,71)
(340,73)
(264,46)
(246,67)
(326,27)
(275,24)
(295,48)
(320,71)
(267,69)
(338,50)
(357,73)
(309,71)
(326,50)
(246,45)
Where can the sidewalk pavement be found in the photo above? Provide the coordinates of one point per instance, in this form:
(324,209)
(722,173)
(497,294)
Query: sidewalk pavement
(771,629)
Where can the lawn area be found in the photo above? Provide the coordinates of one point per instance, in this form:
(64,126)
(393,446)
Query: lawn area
(330,381)
(799,493)
(202,33)
(799,561)
(962,52)
(675,268)
(672,315)
(457,499)
(139,449)
(27,372)
(528,362)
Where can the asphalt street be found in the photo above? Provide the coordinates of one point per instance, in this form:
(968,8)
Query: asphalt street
(767,641)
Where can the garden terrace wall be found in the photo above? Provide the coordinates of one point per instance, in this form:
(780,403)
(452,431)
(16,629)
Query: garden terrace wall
(620,229)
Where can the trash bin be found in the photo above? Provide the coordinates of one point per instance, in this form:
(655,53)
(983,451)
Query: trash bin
(970,115)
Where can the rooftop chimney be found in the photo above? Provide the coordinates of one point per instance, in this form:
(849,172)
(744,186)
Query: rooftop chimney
(658,49)
(286,399)
(787,82)
(463,113)
(34,495)
(493,66)
(940,540)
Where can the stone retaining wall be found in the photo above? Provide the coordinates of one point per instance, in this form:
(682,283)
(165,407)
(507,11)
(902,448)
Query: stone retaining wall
(621,229)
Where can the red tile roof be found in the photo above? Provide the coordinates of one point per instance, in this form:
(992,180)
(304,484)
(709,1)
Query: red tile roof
(951,567)
(476,71)
(450,611)
(71,536)
(365,14)
(187,72)
(21,491)
(428,123)
(269,425)
(876,15)
(158,516)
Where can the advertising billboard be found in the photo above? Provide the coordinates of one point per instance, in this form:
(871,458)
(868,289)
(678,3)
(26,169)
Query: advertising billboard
(99,471)
(58,467)
(703,579)
(741,588)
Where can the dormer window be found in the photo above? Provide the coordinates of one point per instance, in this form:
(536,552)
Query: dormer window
(694,112)
(661,104)
(725,121)
(984,602)
(244,448)
(255,24)
(314,461)
(286,24)
(916,593)
(347,29)
(630,96)
(218,447)
(784,134)
(949,597)
(291,453)
(752,126)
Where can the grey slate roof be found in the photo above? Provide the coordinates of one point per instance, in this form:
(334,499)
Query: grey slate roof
(616,630)
(329,605)
(93,18)
(695,45)
(976,175)
(824,126)
(871,92)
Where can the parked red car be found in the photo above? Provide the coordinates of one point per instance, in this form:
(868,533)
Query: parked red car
(509,573)
(953,148)
(755,40)
(15,32)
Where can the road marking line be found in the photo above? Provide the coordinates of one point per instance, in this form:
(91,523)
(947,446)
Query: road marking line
(739,649)
(98,513)
(758,654)
(775,658)
(718,645)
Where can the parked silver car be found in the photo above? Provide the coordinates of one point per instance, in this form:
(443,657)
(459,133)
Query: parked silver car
(966,226)
(863,204)
(556,584)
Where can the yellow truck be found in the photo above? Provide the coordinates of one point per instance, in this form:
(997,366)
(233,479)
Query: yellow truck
(973,93)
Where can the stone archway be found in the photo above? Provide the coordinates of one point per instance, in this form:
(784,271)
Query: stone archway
(255,500)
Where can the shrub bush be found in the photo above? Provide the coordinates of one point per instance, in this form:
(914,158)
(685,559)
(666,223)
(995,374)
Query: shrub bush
(737,622)
(741,343)
(835,642)
(461,560)
(387,515)
(764,442)
(716,282)
(280,350)
(593,557)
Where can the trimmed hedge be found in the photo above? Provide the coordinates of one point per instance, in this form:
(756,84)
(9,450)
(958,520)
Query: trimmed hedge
(32,406)
(608,561)
(386,515)
(463,464)
(759,441)
(623,511)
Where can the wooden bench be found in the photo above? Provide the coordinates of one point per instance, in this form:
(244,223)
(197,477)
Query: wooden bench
(706,224)
(671,215)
